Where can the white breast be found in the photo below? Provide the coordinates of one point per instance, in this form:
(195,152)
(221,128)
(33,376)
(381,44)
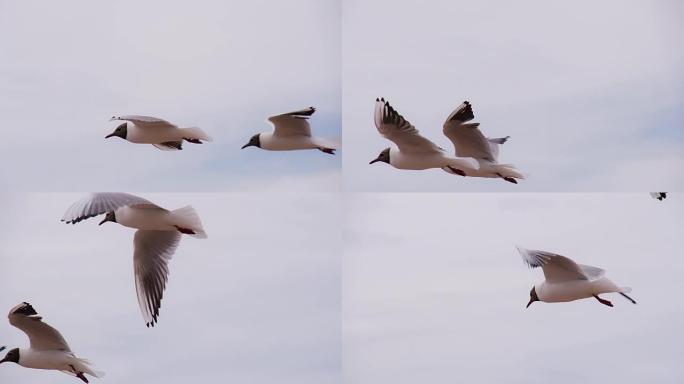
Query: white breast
(154,135)
(574,290)
(416,161)
(145,218)
(58,360)
(285,143)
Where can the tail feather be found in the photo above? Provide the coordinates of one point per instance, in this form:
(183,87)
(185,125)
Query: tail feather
(194,134)
(187,219)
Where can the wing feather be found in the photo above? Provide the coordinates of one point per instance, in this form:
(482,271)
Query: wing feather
(41,336)
(102,202)
(392,126)
(558,268)
(292,123)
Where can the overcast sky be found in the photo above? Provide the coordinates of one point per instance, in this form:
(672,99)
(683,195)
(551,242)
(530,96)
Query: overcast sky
(68,67)
(253,303)
(591,93)
(435,292)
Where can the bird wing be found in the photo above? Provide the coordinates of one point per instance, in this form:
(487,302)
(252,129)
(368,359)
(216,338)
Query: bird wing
(467,138)
(292,123)
(394,127)
(153,250)
(146,121)
(98,203)
(41,336)
(558,268)
(658,195)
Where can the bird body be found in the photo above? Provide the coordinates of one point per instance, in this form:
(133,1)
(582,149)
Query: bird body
(549,292)
(421,161)
(272,142)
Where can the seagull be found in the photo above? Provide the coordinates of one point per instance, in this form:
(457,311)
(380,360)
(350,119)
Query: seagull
(658,195)
(158,132)
(413,151)
(469,141)
(155,241)
(291,131)
(567,280)
(48,348)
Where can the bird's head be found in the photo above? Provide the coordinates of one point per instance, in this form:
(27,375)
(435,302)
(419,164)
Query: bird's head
(12,356)
(533,297)
(253,142)
(109,217)
(384,156)
(120,131)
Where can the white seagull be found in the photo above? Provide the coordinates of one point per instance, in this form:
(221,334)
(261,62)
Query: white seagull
(48,348)
(158,132)
(567,280)
(469,141)
(291,131)
(658,195)
(413,151)
(155,241)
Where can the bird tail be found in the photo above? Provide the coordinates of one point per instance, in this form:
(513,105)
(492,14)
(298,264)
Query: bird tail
(195,135)
(83,366)
(187,221)
(508,170)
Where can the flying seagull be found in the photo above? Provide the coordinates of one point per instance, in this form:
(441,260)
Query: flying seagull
(48,349)
(158,132)
(469,141)
(155,241)
(413,151)
(567,280)
(291,131)
(658,195)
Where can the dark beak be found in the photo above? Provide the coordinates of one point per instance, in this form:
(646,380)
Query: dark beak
(530,303)
(110,135)
(375,160)
(246,145)
(106,219)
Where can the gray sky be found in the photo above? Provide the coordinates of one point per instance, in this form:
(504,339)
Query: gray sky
(68,67)
(591,93)
(253,303)
(434,290)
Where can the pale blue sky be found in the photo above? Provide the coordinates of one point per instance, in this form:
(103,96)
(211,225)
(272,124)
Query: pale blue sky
(591,93)
(223,66)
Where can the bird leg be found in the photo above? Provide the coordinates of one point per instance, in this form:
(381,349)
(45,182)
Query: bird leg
(456,171)
(80,375)
(330,151)
(603,301)
(509,179)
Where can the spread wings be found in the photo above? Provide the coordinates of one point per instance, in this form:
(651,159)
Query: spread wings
(559,268)
(102,202)
(153,250)
(292,123)
(394,127)
(467,138)
(41,336)
(145,121)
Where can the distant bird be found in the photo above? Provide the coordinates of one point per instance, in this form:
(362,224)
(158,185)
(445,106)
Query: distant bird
(413,151)
(158,132)
(469,141)
(658,195)
(155,241)
(291,131)
(567,280)
(48,348)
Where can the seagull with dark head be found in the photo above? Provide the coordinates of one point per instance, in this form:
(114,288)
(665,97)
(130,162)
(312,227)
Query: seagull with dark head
(48,349)
(158,132)
(291,131)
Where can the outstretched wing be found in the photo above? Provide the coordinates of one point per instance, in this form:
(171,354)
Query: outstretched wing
(153,250)
(467,138)
(98,203)
(292,123)
(41,336)
(558,268)
(394,127)
(146,121)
